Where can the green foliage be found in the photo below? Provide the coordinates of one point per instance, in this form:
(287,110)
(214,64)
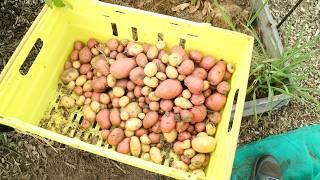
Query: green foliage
(57,3)
(3,138)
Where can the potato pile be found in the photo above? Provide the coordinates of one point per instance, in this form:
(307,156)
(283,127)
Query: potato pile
(144,97)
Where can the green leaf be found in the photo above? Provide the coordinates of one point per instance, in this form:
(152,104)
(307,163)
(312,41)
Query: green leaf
(49,3)
(194,2)
(58,3)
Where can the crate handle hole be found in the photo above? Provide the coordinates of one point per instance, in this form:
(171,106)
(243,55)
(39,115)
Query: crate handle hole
(235,98)
(74,117)
(160,37)
(114,29)
(81,119)
(134,33)
(33,53)
(182,42)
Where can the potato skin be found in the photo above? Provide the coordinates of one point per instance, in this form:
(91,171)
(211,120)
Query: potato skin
(197,99)
(141,60)
(223,87)
(150,119)
(216,74)
(207,62)
(200,72)
(194,84)
(137,75)
(167,122)
(216,101)
(115,137)
(115,117)
(102,119)
(199,113)
(85,55)
(186,67)
(121,68)
(195,55)
(124,146)
(169,89)
(99,84)
(112,44)
(166,105)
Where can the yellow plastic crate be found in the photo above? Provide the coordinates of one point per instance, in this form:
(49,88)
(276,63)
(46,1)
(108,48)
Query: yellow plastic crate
(25,99)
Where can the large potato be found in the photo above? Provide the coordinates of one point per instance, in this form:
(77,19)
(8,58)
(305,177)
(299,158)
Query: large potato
(216,74)
(133,124)
(121,68)
(69,75)
(169,89)
(135,146)
(115,137)
(203,144)
(216,101)
(133,109)
(155,155)
(137,75)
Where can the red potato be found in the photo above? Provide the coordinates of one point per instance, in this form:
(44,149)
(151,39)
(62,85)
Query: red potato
(67,65)
(120,56)
(207,93)
(227,76)
(160,66)
(105,133)
(216,74)
(167,122)
(115,117)
(137,91)
(124,146)
(207,62)
(141,104)
(166,105)
(150,119)
(113,54)
(156,128)
(200,72)
(154,106)
(85,55)
(194,84)
(88,94)
(200,126)
(141,60)
(181,51)
(130,86)
(84,68)
(147,100)
(182,126)
(184,135)
(195,55)
(120,48)
(152,52)
(115,102)
(223,87)
(121,68)
(177,109)
(78,45)
(161,53)
(190,128)
(85,124)
(185,159)
(89,75)
(133,49)
(215,117)
(102,66)
(197,99)
(137,75)
(141,132)
(216,101)
(169,89)
(103,119)
(186,115)
(99,84)
(199,113)
(78,90)
(146,47)
(186,67)
(122,83)
(116,136)
(95,96)
(130,95)
(154,137)
(177,148)
(92,43)
(112,44)
(141,99)
(74,55)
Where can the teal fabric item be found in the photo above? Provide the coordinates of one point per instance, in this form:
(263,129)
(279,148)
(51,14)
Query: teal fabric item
(298,153)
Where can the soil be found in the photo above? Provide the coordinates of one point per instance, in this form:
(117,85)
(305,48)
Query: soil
(24,156)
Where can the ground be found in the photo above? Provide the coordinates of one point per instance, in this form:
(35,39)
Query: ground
(24,156)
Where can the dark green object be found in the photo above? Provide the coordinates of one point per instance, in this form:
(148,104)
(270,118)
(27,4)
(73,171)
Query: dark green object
(298,153)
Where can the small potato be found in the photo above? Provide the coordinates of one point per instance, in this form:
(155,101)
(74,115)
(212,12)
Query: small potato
(185,159)
(87,86)
(186,94)
(80,101)
(194,84)
(203,143)
(78,90)
(124,147)
(200,126)
(146,90)
(181,77)
(186,115)
(128,133)
(88,113)
(160,45)
(67,65)
(122,124)
(87,101)
(95,106)
(95,51)
(99,84)
(92,43)
(153,97)
(186,144)
(115,137)
(161,76)
(132,109)
(123,101)
(199,113)
(124,115)
(186,68)
(69,75)
(112,44)
(207,93)
(85,124)
(150,119)
(214,117)
(182,126)
(175,59)
(197,99)
(230,68)
(216,74)
(199,172)
(167,122)
(71,85)
(118,91)
(170,136)
(137,76)
(111,80)
(165,58)
(227,76)
(89,75)
(145,156)
(142,60)
(171,72)
(184,136)
(104,134)
(122,83)
(216,101)
(145,139)
(95,96)
(169,89)
(154,106)
(130,95)
(103,119)
(152,82)
(104,98)
(177,148)
(130,86)
(152,52)
(161,67)
(195,55)
(85,55)
(150,69)
(198,160)
(154,137)
(189,153)
(135,146)
(84,68)
(145,148)
(67,102)
(133,124)
(206,85)
(120,48)
(76,64)
(81,80)
(106,51)
(141,115)
(200,72)
(207,62)
(78,45)
(155,155)
(157,127)
(180,165)
(223,87)
(134,49)
(113,55)
(210,129)
(183,103)
(166,105)
(115,117)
